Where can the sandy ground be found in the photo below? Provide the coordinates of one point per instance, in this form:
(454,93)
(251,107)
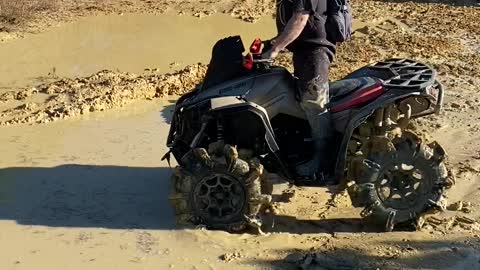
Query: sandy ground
(88,191)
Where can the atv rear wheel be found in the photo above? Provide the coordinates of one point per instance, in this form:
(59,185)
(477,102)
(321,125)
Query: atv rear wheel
(218,189)
(400,181)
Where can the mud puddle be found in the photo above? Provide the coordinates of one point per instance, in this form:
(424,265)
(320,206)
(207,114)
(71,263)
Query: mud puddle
(95,191)
(128,43)
(91,192)
(106,46)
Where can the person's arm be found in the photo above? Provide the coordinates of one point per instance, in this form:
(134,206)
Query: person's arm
(292,30)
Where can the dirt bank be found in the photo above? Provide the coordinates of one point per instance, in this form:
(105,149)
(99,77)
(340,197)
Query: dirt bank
(103,91)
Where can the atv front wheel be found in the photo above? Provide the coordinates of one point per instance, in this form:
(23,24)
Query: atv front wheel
(400,181)
(218,189)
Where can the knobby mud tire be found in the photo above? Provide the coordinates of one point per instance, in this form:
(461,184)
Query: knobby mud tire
(218,189)
(410,167)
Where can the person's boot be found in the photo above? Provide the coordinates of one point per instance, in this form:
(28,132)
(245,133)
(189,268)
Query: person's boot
(320,125)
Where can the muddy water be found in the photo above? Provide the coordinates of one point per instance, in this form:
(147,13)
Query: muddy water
(128,43)
(91,193)
(73,188)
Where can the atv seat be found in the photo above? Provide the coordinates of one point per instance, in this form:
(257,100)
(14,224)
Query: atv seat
(348,93)
(342,88)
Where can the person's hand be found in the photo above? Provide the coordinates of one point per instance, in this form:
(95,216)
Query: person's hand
(271,54)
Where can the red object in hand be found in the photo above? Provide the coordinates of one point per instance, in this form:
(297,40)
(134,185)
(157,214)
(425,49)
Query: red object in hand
(256,47)
(248,61)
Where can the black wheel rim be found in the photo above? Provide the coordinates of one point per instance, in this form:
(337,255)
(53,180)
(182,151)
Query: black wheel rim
(219,197)
(401,186)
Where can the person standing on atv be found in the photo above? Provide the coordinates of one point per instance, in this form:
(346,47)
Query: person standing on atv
(302,29)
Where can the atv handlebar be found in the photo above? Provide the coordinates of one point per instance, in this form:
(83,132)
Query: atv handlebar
(264,60)
(267,45)
(254,57)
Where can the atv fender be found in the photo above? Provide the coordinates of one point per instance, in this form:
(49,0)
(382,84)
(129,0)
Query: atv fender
(236,104)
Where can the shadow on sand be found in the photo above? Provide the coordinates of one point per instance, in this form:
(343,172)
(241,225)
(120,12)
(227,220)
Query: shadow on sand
(116,197)
(289,224)
(461,254)
(167,112)
(113,197)
(87,196)
(466,3)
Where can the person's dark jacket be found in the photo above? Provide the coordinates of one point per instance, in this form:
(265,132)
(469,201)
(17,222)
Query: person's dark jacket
(314,34)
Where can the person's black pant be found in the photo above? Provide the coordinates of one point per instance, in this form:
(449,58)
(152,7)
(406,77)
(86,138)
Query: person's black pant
(311,69)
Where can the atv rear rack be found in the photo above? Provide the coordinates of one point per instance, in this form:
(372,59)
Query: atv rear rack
(408,74)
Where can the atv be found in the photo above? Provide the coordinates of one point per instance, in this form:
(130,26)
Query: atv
(244,119)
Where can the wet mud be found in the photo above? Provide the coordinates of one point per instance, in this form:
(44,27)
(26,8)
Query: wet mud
(91,191)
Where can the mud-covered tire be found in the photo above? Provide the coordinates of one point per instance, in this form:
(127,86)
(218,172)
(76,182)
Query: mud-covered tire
(400,183)
(266,184)
(217,189)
